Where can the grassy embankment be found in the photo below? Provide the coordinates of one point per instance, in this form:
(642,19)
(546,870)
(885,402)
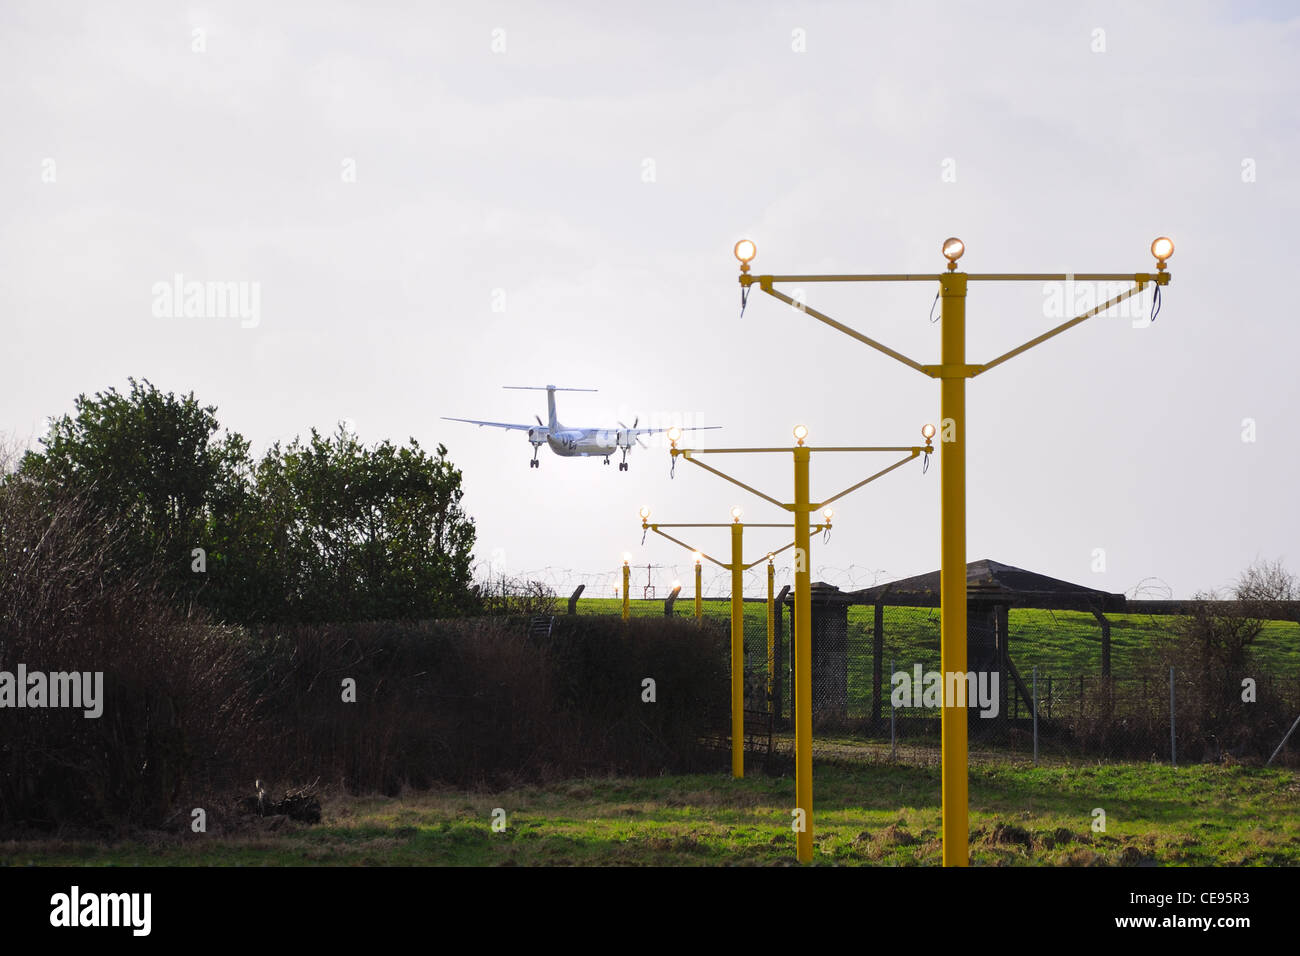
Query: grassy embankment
(1060,642)
(866,815)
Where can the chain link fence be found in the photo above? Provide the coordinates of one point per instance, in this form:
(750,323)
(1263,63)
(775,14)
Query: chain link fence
(1036,694)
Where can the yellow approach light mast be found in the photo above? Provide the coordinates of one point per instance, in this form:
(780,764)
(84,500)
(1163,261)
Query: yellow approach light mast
(802,507)
(952,373)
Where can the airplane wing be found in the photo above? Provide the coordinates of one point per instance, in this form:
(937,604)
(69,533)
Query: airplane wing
(538,430)
(655,431)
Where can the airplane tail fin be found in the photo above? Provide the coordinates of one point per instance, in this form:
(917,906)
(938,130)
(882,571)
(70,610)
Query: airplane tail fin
(550,391)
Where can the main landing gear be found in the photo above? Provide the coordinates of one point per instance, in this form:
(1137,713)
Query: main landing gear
(535,463)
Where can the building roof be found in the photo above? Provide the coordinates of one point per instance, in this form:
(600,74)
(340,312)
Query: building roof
(993,581)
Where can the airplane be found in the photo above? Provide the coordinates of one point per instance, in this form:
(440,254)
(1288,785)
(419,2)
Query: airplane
(569,442)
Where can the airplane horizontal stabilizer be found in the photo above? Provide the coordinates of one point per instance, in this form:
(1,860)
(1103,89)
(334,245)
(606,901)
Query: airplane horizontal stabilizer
(548,388)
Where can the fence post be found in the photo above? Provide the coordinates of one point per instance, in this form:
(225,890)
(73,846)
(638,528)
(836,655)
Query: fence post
(573,598)
(771,631)
(877,657)
(794,638)
(1049,696)
(1173,736)
(1283,743)
(779,650)
(1035,715)
(892,708)
(627,587)
(699,592)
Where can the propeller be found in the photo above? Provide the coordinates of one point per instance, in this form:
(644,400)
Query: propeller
(539,420)
(633,428)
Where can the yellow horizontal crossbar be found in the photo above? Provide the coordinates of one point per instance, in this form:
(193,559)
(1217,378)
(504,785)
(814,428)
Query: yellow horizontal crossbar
(688,452)
(1141,279)
(764,280)
(724,565)
(655,525)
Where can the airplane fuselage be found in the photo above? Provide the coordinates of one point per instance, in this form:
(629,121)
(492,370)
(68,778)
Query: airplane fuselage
(569,442)
(584,442)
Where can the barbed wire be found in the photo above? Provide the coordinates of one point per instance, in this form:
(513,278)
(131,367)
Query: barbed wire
(1152,588)
(714,581)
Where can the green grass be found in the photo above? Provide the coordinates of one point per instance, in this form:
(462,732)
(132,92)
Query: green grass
(1062,643)
(876,814)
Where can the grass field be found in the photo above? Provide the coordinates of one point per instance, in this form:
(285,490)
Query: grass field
(877,814)
(1063,643)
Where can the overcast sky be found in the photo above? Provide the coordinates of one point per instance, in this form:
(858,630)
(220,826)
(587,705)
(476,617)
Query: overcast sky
(430,201)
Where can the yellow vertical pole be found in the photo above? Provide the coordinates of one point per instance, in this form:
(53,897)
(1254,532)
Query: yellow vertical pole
(737,651)
(627,586)
(952,572)
(803,655)
(771,629)
(699,592)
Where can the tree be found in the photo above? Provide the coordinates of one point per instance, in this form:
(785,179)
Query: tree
(326,530)
(1267,581)
(366,533)
(1212,649)
(153,464)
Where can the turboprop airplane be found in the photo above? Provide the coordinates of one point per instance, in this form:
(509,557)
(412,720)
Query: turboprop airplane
(569,442)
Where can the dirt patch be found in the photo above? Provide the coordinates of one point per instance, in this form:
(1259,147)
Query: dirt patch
(1005,833)
(1084,857)
(1132,856)
(895,835)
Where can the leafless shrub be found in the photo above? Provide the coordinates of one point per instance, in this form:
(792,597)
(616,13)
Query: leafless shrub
(1210,650)
(475,702)
(509,597)
(174,707)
